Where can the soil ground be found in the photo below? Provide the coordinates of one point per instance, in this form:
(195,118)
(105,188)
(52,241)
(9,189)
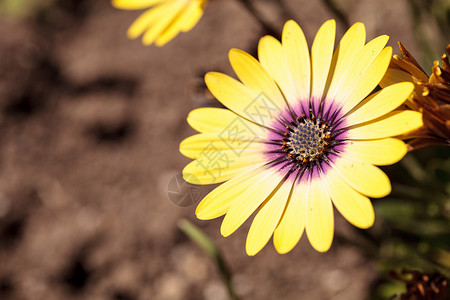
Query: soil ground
(89,132)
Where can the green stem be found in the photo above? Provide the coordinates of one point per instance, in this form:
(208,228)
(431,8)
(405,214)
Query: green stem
(204,242)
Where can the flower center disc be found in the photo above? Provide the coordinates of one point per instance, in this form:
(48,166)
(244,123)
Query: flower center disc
(307,139)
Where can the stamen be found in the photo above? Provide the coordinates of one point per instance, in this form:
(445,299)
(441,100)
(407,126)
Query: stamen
(308,140)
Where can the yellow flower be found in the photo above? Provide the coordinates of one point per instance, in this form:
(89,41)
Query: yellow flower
(163,20)
(298,137)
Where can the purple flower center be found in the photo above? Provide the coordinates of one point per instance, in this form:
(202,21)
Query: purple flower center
(307,139)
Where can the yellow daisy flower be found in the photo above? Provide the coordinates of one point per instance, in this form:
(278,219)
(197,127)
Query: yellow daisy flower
(163,20)
(299,137)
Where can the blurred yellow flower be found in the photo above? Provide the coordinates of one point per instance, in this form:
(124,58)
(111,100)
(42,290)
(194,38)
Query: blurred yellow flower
(163,20)
(299,135)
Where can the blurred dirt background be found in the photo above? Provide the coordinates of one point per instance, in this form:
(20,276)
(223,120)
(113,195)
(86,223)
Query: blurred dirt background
(89,132)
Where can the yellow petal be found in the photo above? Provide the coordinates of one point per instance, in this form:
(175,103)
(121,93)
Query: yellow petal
(255,77)
(380,103)
(187,19)
(219,120)
(410,68)
(292,224)
(195,15)
(349,47)
(297,54)
(341,88)
(134,4)
(267,219)
(250,200)
(368,80)
(143,22)
(394,76)
(363,177)
(220,166)
(240,99)
(354,207)
(166,16)
(219,201)
(392,124)
(321,55)
(273,59)
(378,152)
(319,216)
(204,144)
